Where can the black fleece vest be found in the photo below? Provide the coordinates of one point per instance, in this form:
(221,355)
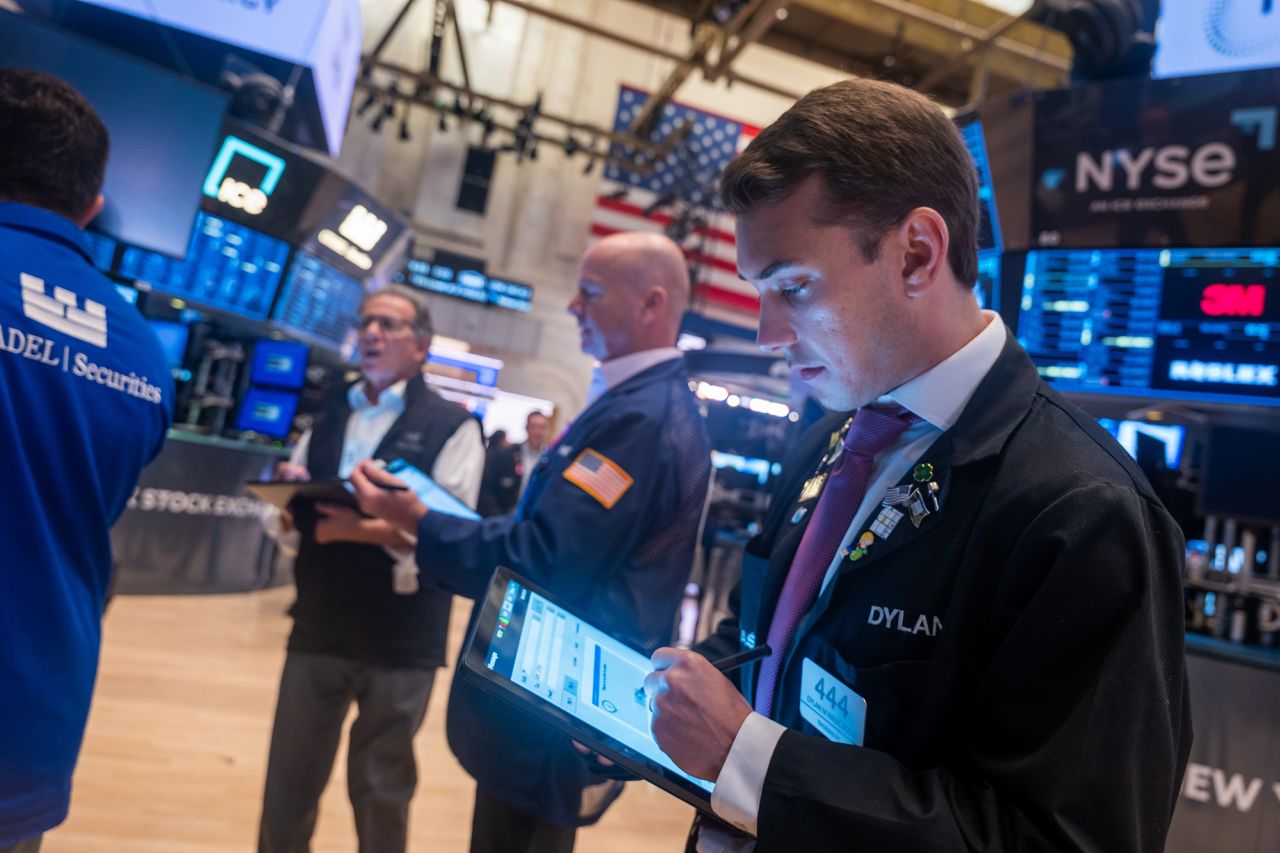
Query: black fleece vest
(346,605)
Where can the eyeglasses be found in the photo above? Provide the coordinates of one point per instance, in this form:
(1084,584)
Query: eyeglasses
(389,325)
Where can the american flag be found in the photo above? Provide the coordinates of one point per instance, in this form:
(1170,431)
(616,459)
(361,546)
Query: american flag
(694,167)
(599,476)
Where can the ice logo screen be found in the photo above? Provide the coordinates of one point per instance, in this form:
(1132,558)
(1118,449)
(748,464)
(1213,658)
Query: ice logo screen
(229,180)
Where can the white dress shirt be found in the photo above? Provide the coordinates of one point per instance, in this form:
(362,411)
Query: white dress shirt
(458,467)
(938,396)
(612,373)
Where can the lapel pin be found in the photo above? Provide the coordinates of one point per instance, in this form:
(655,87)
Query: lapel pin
(799,514)
(886,521)
(917,508)
(922,473)
(897,496)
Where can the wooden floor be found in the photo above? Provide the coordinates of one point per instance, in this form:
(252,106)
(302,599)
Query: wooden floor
(175,753)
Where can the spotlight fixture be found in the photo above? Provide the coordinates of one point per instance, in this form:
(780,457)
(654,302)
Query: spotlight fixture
(404,125)
(369,100)
(441,124)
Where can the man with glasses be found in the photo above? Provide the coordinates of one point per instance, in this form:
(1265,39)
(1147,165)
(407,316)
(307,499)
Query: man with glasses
(364,629)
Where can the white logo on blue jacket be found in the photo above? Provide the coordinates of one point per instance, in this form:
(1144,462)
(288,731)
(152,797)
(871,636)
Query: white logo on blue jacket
(61,312)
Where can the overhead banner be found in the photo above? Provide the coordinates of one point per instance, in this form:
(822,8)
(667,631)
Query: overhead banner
(1155,163)
(1230,798)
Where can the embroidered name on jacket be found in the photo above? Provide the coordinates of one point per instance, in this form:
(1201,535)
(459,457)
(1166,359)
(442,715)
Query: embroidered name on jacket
(894,619)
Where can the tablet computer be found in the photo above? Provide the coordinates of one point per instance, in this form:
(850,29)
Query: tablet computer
(555,665)
(281,493)
(433,495)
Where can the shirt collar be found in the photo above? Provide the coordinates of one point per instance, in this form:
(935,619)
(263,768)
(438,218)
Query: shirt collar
(612,373)
(31,218)
(940,394)
(391,398)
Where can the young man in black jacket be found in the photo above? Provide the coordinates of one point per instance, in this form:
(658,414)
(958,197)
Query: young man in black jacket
(972,596)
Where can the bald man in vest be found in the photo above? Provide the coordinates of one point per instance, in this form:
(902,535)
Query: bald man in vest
(616,548)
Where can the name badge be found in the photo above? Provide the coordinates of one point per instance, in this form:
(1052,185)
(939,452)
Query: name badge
(831,707)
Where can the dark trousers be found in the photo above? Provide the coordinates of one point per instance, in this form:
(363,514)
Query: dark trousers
(315,693)
(498,828)
(27,845)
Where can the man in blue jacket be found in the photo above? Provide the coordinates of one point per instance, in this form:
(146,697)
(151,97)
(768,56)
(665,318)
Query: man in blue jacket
(87,398)
(608,523)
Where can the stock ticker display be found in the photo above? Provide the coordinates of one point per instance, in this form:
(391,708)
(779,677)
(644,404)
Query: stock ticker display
(317,302)
(1193,324)
(227,266)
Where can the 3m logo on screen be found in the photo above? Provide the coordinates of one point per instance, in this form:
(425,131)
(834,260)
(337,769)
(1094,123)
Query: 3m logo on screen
(62,313)
(1234,300)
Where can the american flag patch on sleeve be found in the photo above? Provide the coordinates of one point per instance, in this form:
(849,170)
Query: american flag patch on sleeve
(599,477)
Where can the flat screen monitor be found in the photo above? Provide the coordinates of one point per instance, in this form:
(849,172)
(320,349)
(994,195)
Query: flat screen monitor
(987,289)
(1210,36)
(227,266)
(173,340)
(353,232)
(1171,437)
(102,251)
(1242,466)
(317,302)
(975,141)
(260,181)
(1186,324)
(267,412)
(163,130)
(279,364)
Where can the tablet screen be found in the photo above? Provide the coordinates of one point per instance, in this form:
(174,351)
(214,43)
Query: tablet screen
(570,664)
(435,496)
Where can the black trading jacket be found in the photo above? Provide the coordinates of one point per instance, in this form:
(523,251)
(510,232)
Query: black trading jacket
(1021,652)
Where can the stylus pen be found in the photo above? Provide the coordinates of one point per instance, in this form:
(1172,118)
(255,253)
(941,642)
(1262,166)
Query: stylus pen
(732,662)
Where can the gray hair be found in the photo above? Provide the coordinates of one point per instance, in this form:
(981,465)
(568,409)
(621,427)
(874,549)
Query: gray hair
(421,310)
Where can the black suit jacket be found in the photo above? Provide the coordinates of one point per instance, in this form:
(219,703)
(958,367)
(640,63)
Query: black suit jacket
(1020,653)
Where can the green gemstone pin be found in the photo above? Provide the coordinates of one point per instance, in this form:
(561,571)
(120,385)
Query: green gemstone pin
(922,473)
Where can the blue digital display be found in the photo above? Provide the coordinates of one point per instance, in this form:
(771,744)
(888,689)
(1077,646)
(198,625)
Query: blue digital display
(1191,324)
(127,293)
(267,412)
(989,227)
(471,285)
(227,266)
(1127,432)
(318,303)
(173,340)
(280,364)
(987,289)
(102,250)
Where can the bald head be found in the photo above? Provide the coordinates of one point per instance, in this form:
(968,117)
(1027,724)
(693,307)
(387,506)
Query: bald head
(632,293)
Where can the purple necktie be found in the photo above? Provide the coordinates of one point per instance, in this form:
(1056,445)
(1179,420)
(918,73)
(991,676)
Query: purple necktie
(873,430)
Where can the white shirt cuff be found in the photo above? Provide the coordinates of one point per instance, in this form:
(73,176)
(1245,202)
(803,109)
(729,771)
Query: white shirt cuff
(273,525)
(736,796)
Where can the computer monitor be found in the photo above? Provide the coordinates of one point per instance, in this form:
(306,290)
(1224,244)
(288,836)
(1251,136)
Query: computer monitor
(267,412)
(173,340)
(1242,466)
(1187,324)
(163,130)
(102,251)
(318,303)
(227,266)
(989,227)
(1228,35)
(279,364)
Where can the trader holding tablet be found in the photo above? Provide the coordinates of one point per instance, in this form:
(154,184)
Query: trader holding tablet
(607,524)
(972,596)
(365,631)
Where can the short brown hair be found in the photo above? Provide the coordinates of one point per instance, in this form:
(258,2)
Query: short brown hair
(54,153)
(882,151)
